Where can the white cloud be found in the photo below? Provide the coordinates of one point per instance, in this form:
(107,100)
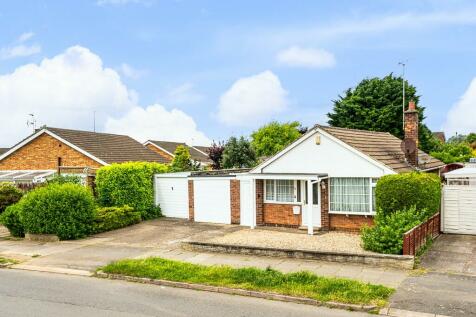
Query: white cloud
(252,100)
(19,48)
(461,116)
(64,91)
(183,94)
(157,123)
(301,57)
(131,72)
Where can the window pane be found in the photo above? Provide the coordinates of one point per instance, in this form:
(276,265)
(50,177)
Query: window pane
(315,194)
(284,190)
(350,195)
(269,189)
(298,191)
(374,205)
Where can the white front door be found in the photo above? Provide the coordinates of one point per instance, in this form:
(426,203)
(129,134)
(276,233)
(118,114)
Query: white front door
(316,207)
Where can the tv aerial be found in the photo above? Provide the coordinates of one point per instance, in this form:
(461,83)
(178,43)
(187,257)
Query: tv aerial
(31,122)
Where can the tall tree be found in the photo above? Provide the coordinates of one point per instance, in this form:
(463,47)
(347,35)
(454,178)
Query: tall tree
(274,136)
(238,153)
(182,161)
(215,154)
(376,104)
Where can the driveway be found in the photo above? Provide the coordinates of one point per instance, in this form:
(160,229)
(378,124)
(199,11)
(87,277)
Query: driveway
(449,286)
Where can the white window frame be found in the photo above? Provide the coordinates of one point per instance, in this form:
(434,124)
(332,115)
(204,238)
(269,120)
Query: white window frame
(274,201)
(371,213)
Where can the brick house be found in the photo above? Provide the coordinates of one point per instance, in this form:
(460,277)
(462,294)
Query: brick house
(166,149)
(50,150)
(325,180)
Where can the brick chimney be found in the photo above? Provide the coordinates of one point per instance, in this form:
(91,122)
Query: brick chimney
(411,134)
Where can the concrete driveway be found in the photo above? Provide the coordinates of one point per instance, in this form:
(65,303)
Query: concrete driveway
(449,286)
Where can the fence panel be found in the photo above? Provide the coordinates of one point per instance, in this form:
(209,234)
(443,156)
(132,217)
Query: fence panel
(415,238)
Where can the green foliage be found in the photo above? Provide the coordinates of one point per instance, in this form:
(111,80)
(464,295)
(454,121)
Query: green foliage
(9,194)
(65,179)
(111,218)
(66,210)
(273,137)
(129,184)
(457,149)
(238,153)
(387,234)
(375,104)
(11,219)
(302,284)
(182,161)
(402,191)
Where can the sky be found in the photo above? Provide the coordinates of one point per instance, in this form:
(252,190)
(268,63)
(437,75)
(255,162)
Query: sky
(200,71)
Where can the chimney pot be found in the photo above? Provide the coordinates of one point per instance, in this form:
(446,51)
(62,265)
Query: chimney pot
(411,105)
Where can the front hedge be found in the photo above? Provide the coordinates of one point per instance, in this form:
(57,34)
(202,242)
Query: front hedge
(402,191)
(10,218)
(66,210)
(9,194)
(129,184)
(111,218)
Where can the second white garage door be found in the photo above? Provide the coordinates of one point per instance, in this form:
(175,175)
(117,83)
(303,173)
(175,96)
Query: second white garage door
(212,200)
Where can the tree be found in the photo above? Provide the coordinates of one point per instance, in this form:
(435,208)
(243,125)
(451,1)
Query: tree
(215,153)
(182,161)
(375,104)
(273,137)
(453,152)
(238,153)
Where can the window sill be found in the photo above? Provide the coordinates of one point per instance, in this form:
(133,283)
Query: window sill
(371,214)
(296,203)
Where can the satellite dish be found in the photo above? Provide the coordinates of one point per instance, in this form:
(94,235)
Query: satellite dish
(408,146)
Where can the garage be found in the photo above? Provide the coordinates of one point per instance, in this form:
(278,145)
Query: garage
(212,199)
(459,201)
(171,194)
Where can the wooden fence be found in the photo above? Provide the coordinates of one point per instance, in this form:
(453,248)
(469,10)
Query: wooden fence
(416,237)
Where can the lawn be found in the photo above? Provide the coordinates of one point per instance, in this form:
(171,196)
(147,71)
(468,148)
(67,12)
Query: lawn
(5,260)
(301,284)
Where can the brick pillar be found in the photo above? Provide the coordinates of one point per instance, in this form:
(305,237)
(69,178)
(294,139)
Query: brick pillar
(325,223)
(259,202)
(235,201)
(191,205)
(411,134)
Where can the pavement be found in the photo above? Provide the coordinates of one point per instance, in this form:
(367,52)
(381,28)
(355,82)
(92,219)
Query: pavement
(163,237)
(26,294)
(447,285)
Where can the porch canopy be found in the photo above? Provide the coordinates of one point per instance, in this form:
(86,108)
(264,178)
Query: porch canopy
(27,176)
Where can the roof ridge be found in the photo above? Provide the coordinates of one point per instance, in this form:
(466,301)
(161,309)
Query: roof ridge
(351,129)
(84,131)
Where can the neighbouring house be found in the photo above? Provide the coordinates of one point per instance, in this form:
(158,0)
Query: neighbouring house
(52,150)
(440,136)
(324,180)
(167,149)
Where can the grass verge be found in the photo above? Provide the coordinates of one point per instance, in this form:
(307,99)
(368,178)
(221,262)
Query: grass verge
(300,284)
(7,261)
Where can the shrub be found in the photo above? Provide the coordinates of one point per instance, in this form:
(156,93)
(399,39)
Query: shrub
(110,218)
(9,194)
(129,184)
(66,210)
(402,191)
(66,179)
(387,234)
(11,219)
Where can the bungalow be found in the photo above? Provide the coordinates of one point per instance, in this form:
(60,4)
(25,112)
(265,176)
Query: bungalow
(166,149)
(324,180)
(50,150)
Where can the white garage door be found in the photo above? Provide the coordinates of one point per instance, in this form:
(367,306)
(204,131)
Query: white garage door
(171,193)
(459,209)
(246,202)
(212,200)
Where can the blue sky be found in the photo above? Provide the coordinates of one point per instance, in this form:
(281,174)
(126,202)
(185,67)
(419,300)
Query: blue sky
(203,70)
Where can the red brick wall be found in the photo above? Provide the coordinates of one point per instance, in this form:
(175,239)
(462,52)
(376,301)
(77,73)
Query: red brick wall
(325,205)
(280,214)
(235,201)
(259,201)
(411,131)
(42,154)
(165,155)
(191,205)
(349,223)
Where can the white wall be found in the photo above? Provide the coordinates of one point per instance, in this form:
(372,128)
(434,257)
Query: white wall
(328,157)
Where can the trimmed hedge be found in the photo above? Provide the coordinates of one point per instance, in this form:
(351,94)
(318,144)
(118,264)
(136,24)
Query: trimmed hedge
(129,184)
(402,191)
(387,234)
(66,210)
(111,218)
(9,194)
(10,218)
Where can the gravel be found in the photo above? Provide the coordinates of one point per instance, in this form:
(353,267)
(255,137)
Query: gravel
(332,241)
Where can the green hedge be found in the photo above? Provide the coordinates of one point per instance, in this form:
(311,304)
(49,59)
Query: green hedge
(66,210)
(66,179)
(129,184)
(386,236)
(9,194)
(11,219)
(111,218)
(402,191)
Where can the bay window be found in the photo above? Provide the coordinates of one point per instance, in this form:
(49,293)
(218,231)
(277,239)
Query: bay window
(352,195)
